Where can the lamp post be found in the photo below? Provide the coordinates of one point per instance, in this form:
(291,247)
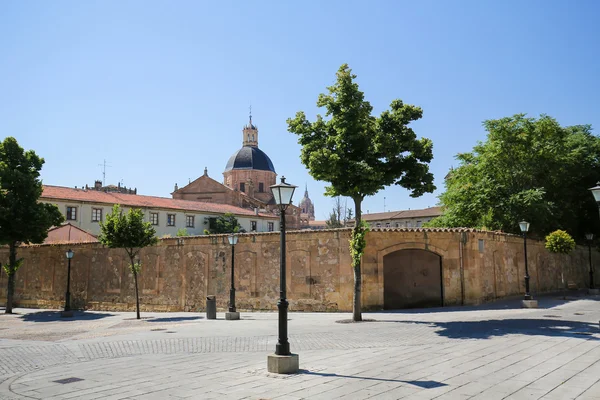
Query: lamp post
(283,361)
(590,238)
(67,311)
(232,314)
(524,225)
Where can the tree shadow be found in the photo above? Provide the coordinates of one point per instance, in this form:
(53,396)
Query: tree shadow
(54,316)
(174,319)
(550,300)
(421,384)
(495,327)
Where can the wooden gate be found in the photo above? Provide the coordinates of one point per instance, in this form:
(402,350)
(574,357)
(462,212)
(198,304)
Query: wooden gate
(412,278)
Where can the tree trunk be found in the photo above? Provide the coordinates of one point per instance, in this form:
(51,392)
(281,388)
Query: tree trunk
(12,266)
(356,306)
(137,297)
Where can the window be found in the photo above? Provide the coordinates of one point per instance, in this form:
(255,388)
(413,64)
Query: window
(270,226)
(419,224)
(261,187)
(72,213)
(378,225)
(212,223)
(387,224)
(189,221)
(154,218)
(253,225)
(397,225)
(96,214)
(170,219)
(242,187)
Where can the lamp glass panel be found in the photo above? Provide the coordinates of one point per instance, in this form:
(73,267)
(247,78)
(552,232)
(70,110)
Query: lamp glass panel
(233,239)
(524,225)
(596,193)
(276,194)
(589,236)
(69,254)
(286,194)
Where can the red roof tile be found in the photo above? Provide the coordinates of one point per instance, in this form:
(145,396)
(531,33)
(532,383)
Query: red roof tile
(136,200)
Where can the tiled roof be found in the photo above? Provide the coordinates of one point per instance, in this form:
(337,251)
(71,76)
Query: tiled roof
(425,212)
(135,200)
(68,233)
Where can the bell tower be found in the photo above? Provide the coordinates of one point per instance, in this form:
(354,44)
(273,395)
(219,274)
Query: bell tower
(250,133)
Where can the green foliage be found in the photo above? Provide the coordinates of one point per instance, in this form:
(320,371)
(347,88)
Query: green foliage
(527,168)
(360,154)
(127,231)
(182,232)
(22,218)
(560,242)
(358,242)
(12,269)
(226,223)
(136,267)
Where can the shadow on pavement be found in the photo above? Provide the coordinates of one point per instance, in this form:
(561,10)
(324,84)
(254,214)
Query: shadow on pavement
(547,301)
(173,319)
(489,328)
(421,384)
(53,316)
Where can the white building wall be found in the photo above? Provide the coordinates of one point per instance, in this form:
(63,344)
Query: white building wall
(201,220)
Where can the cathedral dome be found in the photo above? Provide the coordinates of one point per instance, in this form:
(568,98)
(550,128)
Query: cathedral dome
(249,157)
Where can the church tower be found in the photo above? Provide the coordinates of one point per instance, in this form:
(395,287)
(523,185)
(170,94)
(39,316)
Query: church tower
(307,209)
(250,134)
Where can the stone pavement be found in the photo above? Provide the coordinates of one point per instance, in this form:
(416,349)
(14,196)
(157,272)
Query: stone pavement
(494,351)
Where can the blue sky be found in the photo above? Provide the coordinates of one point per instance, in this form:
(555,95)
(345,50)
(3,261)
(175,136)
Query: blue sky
(162,89)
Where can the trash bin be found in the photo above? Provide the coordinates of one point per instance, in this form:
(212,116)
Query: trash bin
(211,307)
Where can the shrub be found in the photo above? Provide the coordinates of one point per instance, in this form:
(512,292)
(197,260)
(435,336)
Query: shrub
(560,242)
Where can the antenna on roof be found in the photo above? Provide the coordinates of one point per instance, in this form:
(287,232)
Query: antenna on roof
(383,203)
(104,172)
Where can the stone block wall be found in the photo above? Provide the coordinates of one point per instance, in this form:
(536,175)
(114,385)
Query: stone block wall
(178,274)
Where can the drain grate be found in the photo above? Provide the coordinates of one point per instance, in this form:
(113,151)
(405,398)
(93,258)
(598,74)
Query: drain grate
(68,380)
(552,316)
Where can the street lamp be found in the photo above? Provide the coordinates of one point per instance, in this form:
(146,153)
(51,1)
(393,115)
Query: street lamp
(282,362)
(524,225)
(596,192)
(590,238)
(232,314)
(67,312)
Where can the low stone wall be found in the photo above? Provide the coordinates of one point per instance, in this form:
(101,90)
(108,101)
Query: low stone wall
(178,274)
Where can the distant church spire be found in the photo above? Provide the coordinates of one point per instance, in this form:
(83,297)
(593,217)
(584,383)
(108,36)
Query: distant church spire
(250,133)
(306,190)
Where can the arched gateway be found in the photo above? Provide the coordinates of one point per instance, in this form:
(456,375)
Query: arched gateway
(412,278)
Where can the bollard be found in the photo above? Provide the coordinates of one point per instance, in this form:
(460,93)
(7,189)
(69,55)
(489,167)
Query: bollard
(211,307)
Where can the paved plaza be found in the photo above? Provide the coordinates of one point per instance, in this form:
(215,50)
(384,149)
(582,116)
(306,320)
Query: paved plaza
(488,352)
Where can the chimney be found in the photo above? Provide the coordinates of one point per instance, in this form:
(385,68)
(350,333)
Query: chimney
(255,210)
(97,185)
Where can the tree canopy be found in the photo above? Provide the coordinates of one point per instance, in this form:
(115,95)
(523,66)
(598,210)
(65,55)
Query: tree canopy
(527,169)
(226,223)
(22,218)
(360,154)
(129,232)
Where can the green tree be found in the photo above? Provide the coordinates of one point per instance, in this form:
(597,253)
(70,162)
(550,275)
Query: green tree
(128,231)
(359,154)
(182,232)
(22,218)
(226,223)
(532,169)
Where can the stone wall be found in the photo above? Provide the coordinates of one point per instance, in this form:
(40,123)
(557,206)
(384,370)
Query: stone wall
(179,273)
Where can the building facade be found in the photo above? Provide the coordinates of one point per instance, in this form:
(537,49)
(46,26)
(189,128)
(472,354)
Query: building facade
(86,208)
(401,219)
(307,210)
